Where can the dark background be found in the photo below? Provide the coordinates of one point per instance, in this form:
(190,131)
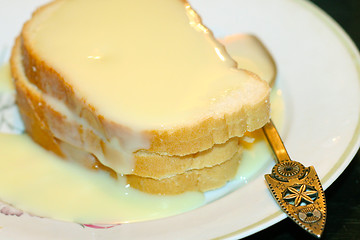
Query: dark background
(343,196)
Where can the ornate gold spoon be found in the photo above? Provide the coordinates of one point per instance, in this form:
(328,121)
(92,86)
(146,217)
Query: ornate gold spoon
(296,188)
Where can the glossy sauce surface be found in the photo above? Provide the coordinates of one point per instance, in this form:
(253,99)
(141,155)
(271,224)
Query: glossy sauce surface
(38,182)
(47,186)
(146,67)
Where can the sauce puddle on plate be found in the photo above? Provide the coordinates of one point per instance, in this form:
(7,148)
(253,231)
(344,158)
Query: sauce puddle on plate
(38,182)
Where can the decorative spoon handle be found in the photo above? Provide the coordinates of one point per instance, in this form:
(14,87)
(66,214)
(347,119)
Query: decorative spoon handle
(297,189)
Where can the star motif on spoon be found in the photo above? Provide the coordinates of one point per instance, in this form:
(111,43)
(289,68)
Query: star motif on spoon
(298,194)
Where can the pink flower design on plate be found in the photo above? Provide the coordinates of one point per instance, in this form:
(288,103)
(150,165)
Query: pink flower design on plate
(100,226)
(11,211)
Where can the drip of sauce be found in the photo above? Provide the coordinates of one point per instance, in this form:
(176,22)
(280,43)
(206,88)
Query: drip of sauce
(44,185)
(12,122)
(6,84)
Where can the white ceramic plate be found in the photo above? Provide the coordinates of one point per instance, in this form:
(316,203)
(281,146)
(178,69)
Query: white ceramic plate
(319,72)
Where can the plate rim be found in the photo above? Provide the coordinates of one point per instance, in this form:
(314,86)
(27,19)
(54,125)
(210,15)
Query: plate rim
(351,149)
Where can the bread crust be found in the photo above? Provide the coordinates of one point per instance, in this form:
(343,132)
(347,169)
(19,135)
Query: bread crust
(179,140)
(201,180)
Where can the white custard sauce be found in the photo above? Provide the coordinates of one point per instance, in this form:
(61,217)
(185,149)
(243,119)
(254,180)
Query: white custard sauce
(38,182)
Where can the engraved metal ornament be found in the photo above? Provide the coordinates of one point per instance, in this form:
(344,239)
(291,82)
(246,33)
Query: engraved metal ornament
(288,169)
(302,200)
(297,189)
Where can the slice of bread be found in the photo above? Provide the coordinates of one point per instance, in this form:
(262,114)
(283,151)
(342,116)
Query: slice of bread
(251,54)
(245,109)
(204,179)
(56,132)
(201,180)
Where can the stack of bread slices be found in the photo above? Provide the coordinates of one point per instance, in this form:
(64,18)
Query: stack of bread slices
(67,106)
